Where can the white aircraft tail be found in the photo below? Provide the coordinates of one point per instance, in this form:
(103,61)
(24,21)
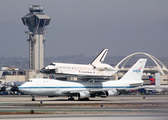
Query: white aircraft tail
(135,72)
(100,58)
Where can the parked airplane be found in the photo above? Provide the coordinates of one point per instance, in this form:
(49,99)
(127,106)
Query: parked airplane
(13,85)
(155,87)
(152,80)
(96,69)
(84,90)
(2,87)
(9,85)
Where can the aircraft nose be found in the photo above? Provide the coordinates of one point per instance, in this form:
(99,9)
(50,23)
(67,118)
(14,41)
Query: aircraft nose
(44,70)
(47,71)
(23,89)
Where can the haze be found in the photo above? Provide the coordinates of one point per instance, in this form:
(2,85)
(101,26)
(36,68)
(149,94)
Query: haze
(87,26)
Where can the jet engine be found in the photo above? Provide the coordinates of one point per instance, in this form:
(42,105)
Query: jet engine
(112,92)
(83,94)
(8,88)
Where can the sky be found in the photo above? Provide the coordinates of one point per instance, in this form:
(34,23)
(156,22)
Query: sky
(88,26)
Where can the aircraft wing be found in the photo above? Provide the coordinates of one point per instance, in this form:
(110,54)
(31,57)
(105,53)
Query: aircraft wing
(85,93)
(92,92)
(119,90)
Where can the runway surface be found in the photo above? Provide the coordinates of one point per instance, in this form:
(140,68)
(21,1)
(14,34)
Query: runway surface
(126,106)
(87,117)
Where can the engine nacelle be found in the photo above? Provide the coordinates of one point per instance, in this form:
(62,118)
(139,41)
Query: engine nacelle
(8,88)
(84,94)
(112,92)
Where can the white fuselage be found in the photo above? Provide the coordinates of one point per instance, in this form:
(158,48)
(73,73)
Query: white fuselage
(79,69)
(51,87)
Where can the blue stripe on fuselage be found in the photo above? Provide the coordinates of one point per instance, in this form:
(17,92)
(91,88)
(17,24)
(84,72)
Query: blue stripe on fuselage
(78,87)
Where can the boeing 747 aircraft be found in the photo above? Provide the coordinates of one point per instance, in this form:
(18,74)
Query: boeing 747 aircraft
(84,90)
(96,69)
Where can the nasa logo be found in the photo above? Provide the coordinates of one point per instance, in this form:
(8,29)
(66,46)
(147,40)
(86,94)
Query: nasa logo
(136,70)
(139,70)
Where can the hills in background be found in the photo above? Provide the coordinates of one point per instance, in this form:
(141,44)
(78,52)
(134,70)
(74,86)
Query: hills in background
(23,63)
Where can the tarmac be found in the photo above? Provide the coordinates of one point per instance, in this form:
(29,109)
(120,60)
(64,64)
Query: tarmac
(64,100)
(19,105)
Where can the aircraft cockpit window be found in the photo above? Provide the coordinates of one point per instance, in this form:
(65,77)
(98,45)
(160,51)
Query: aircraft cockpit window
(52,64)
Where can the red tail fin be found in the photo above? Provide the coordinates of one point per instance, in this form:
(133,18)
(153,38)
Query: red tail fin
(152,80)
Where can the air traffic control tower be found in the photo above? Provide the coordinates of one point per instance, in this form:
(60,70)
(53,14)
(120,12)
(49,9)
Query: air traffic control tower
(36,21)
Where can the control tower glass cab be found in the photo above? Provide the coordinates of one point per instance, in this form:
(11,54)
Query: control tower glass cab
(36,21)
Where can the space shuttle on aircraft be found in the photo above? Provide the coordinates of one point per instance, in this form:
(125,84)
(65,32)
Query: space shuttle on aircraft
(96,69)
(82,89)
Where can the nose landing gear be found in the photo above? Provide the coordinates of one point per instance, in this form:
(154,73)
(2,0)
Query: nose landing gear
(33,99)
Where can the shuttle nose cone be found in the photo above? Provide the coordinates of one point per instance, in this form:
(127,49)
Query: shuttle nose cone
(42,70)
(47,71)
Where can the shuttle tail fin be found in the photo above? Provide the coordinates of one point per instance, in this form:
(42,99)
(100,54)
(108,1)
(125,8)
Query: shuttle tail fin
(100,58)
(135,72)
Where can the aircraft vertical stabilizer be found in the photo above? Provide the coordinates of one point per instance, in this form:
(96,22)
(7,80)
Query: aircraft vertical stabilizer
(135,72)
(152,80)
(100,58)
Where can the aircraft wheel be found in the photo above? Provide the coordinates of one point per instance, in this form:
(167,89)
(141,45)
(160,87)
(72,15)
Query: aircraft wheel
(71,99)
(87,99)
(33,99)
(83,99)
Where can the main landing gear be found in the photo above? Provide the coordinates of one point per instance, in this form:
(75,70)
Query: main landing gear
(71,98)
(83,99)
(33,99)
(80,99)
